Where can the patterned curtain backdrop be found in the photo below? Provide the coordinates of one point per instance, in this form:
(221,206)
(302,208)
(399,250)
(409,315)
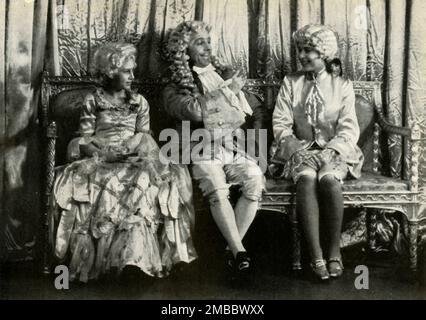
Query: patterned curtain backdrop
(379,40)
(415,75)
(230,36)
(84,24)
(23,26)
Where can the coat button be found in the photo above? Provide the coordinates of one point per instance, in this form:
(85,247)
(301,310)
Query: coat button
(217,109)
(220,123)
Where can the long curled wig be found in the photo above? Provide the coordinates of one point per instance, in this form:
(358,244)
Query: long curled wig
(176,52)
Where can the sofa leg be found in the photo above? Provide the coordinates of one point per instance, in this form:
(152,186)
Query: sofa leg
(50,178)
(296,259)
(413,233)
(371,229)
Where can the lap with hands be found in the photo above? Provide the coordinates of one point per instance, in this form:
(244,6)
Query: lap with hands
(315,160)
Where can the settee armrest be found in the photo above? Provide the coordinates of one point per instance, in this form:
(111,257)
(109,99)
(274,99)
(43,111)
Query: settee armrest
(387,127)
(413,136)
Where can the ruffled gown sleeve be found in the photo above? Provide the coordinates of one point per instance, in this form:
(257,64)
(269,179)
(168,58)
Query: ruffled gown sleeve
(86,128)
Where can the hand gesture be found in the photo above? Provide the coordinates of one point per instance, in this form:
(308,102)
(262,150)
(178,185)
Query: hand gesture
(115,154)
(327,155)
(238,81)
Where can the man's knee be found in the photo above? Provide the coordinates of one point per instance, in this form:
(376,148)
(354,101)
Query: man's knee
(253,187)
(217,196)
(209,178)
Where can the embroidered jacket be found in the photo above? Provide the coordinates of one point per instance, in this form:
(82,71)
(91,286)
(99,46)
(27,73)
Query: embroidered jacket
(183,106)
(336,127)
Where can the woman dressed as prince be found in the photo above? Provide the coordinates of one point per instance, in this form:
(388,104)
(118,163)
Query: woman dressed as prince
(316,133)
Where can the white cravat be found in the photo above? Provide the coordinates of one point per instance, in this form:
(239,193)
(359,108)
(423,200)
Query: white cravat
(211,80)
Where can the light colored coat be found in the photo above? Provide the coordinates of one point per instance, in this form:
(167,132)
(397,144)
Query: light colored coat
(337,127)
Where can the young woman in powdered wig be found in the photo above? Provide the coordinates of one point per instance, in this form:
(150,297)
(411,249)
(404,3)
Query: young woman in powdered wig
(117,204)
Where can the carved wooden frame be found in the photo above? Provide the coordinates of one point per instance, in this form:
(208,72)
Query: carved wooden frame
(406,202)
(52,86)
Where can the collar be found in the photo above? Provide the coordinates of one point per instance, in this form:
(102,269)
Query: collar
(199,70)
(317,76)
(105,103)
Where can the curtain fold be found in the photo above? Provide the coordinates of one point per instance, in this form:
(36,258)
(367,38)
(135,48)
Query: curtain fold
(23,34)
(229,20)
(52,62)
(83,25)
(379,40)
(394,77)
(416,81)
(3,249)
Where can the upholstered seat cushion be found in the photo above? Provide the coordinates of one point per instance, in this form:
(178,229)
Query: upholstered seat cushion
(367,182)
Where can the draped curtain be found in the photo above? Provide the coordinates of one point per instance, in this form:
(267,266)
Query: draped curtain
(23,27)
(379,40)
(84,24)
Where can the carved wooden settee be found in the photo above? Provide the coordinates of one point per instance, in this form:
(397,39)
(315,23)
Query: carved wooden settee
(373,191)
(61,99)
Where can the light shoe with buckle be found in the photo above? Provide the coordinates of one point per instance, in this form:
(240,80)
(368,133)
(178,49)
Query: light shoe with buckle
(335,267)
(319,270)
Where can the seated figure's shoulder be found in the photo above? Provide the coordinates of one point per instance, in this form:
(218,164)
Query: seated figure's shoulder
(138,101)
(90,102)
(170,88)
(170,85)
(90,96)
(295,76)
(96,98)
(345,84)
(342,80)
(137,98)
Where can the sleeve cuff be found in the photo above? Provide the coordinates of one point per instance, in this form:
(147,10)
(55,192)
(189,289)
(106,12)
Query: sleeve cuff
(342,146)
(73,150)
(85,140)
(287,147)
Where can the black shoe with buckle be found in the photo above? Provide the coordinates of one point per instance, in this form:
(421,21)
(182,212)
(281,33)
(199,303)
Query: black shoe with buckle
(229,260)
(243,268)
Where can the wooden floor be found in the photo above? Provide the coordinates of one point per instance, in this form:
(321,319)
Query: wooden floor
(203,279)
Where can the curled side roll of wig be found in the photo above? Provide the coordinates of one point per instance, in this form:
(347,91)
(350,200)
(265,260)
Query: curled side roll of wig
(110,57)
(176,52)
(319,37)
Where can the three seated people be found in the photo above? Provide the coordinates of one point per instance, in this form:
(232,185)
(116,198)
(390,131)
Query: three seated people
(119,205)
